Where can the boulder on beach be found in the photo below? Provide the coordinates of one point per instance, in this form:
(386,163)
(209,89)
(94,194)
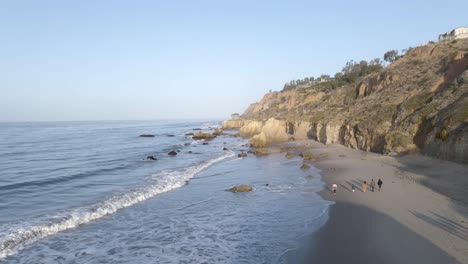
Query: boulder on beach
(146,135)
(242,154)
(203,135)
(305,167)
(290,155)
(241,188)
(261,151)
(172,153)
(151,158)
(218,132)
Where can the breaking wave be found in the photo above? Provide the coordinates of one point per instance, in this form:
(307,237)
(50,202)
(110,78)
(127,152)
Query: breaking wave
(16,238)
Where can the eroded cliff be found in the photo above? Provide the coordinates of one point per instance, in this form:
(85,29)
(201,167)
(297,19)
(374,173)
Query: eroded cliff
(417,104)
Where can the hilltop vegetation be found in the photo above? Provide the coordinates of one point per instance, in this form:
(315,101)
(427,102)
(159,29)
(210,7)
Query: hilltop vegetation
(417,103)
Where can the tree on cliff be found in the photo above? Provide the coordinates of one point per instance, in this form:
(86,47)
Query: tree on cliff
(390,56)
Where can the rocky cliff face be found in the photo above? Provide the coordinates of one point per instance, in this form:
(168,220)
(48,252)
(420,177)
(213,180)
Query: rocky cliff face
(417,104)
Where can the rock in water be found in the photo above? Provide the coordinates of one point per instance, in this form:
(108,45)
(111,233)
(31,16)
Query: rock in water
(218,132)
(309,156)
(151,158)
(241,188)
(290,155)
(242,154)
(261,152)
(146,135)
(205,143)
(305,167)
(172,153)
(203,135)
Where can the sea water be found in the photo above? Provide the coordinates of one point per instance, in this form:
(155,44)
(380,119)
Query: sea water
(84,192)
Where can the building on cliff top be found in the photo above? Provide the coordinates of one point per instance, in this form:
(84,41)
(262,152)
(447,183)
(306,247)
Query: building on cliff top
(458,33)
(235,116)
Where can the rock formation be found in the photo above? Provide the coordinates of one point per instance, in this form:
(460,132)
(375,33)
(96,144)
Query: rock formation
(419,103)
(240,188)
(203,135)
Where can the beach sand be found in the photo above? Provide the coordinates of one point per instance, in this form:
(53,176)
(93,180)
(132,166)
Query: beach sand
(420,216)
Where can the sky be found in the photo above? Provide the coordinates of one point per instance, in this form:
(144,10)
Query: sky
(144,60)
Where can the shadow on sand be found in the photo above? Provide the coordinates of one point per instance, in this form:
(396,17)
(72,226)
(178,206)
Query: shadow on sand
(356,234)
(444,223)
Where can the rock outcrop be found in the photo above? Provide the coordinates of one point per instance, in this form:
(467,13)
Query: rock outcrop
(240,188)
(146,135)
(203,135)
(242,155)
(218,132)
(417,104)
(232,124)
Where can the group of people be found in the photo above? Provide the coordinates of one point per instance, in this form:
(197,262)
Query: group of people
(364,186)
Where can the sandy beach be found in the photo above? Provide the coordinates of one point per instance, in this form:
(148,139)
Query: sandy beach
(419,216)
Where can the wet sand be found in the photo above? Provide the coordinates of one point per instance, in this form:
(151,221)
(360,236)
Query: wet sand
(420,216)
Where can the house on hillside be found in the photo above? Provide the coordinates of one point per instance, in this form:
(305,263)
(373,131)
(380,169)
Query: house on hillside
(235,116)
(458,33)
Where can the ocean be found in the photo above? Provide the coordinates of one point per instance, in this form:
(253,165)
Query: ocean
(85,192)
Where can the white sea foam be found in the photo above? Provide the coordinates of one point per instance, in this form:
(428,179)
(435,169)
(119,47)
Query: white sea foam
(17,238)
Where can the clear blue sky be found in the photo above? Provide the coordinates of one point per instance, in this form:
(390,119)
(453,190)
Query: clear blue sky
(119,60)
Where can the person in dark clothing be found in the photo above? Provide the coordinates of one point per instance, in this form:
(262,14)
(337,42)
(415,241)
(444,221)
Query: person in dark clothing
(379,183)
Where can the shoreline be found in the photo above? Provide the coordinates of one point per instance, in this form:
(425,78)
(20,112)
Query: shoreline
(420,216)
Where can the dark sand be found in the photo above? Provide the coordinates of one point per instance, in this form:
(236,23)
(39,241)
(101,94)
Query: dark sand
(357,234)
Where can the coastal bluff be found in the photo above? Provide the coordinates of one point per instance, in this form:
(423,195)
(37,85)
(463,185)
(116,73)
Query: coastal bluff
(417,104)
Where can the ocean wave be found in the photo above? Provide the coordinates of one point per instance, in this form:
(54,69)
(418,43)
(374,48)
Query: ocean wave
(62,179)
(162,182)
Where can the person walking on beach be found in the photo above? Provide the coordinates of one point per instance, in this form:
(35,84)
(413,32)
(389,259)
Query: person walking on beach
(334,186)
(364,186)
(372,185)
(380,184)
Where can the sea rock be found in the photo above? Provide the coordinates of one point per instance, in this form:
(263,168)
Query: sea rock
(305,167)
(273,131)
(197,129)
(218,132)
(242,155)
(170,135)
(205,143)
(203,135)
(189,134)
(289,155)
(151,158)
(240,188)
(146,135)
(309,156)
(172,153)
(261,151)
(225,149)
(251,128)
(232,124)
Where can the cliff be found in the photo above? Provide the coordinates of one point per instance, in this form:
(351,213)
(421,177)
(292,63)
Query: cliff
(417,104)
